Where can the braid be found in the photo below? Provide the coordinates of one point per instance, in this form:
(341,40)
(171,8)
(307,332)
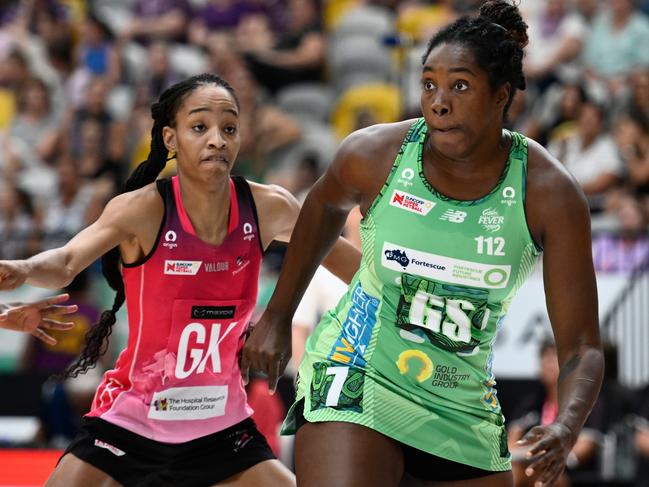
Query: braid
(163,113)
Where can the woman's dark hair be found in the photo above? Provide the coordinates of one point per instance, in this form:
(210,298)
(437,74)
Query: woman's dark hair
(164,114)
(497,37)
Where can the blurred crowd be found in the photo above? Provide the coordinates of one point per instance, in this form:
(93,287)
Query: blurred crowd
(77,79)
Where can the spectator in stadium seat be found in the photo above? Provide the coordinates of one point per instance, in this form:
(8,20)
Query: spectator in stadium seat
(220,17)
(160,74)
(638,102)
(632,139)
(94,107)
(75,206)
(17,224)
(264,128)
(35,125)
(14,71)
(157,19)
(555,114)
(296,55)
(611,48)
(590,153)
(96,52)
(556,40)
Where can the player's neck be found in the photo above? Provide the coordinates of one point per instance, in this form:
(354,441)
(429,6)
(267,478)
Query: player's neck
(207,206)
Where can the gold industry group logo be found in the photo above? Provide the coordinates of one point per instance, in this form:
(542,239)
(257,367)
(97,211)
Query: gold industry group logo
(416,360)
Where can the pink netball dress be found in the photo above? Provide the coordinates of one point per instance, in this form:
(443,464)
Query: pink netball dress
(189,304)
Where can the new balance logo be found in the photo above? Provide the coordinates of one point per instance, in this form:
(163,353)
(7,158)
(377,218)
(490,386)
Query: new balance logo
(453,216)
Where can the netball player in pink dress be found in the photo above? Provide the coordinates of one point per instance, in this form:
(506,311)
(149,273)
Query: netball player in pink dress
(173,411)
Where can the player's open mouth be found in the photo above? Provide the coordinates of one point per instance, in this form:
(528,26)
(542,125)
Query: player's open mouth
(215,158)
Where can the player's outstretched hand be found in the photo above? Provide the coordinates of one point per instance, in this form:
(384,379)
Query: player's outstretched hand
(268,349)
(35,318)
(549,448)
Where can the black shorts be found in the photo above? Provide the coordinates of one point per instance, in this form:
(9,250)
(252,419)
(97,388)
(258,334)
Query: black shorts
(420,464)
(134,460)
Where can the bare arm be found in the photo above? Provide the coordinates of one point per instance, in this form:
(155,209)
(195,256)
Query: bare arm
(559,217)
(122,220)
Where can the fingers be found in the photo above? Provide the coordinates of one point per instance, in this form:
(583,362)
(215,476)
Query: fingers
(548,464)
(275,373)
(537,464)
(56,325)
(59,298)
(531,437)
(60,310)
(550,475)
(51,305)
(44,337)
(546,443)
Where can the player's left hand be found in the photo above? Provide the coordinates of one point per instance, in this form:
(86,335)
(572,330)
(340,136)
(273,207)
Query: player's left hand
(35,318)
(267,349)
(549,448)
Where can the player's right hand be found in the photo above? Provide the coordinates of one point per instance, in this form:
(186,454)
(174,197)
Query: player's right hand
(13,274)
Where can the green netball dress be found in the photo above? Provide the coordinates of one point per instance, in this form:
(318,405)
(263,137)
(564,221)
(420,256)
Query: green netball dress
(408,350)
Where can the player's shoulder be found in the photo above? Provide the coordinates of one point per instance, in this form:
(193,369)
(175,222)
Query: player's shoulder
(269,192)
(272,198)
(140,203)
